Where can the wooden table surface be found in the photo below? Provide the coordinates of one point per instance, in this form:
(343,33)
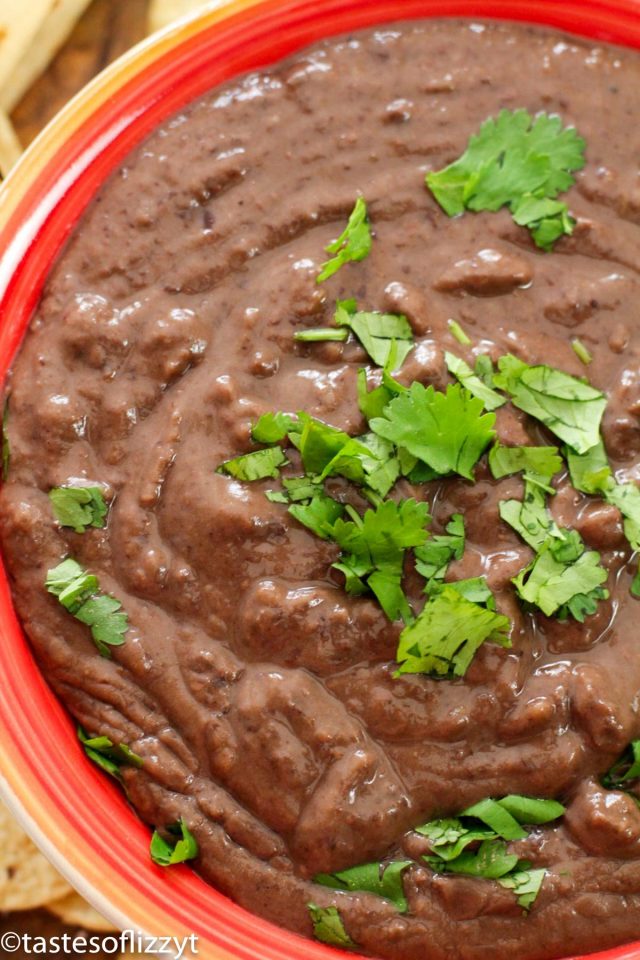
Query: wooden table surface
(107,29)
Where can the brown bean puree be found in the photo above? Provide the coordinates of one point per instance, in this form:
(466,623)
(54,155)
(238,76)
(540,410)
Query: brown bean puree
(260,694)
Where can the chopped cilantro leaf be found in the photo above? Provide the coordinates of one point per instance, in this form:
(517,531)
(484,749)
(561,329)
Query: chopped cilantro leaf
(460,335)
(449,837)
(319,514)
(590,471)
(328,926)
(569,407)
(354,243)
(273,427)
(463,372)
(497,819)
(444,638)
(531,810)
(525,885)
(255,466)
(634,589)
(551,583)
(581,351)
(374,547)
(626,497)
(518,161)
(624,770)
(377,332)
(446,431)
(108,755)
(529,517)
(490,861)
(474,589)
(321,335)
(434,556)
(299,489)
(77,591)
(167,852)
(78,507)
(547,219)
(372,402)
(484,369)
(381,879)
(542,462)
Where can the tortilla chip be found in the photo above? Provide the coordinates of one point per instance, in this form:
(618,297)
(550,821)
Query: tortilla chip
(76,912)
(10,146)
(163,12)
(44,42)
(20,23)
(27,879)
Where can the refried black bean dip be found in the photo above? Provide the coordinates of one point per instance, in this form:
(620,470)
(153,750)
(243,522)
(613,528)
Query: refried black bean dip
(321,503)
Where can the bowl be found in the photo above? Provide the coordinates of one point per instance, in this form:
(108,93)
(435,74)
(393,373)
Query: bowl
(77,816)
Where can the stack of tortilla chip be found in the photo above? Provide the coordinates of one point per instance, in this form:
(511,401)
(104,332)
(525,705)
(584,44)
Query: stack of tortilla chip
(30,35)
(28,881)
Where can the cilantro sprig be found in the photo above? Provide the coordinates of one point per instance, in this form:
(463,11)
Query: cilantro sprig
(257,465)
(447,633)
(448,432)
(78,592)
(570,408)
(625,770)
(473,383)
(564,579)
(473,843)
(387,337)
(353,244)
(179,846)
(441,549)
(78,507)
(107,755)
(518,161)
(328,926)
(373,550)
(381,879)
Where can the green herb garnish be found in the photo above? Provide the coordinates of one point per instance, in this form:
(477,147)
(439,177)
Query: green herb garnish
(446,431)
(354,243)
(441,549)
(570,408)
(525,884)
(328,926)
(381,879)
(444,638)
(624,770)
(477,387)
(377,332)
(564,579)
(517,161)
(273,427)
(539,463)
(460,335)
(321,335)
(473,842)
(373,550)
(77,591)
(581,351)
(107,755)
(257,465)
(78,507)
(168,852)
